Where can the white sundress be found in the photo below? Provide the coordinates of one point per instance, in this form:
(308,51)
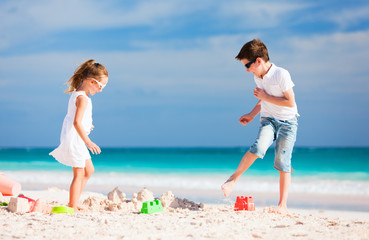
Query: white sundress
(72,151)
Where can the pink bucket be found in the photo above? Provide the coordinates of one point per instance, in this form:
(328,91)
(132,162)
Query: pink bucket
(9,187)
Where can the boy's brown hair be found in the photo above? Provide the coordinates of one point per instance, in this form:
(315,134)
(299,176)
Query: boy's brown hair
(252,50)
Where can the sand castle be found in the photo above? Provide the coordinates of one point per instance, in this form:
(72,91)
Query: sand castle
(117,201)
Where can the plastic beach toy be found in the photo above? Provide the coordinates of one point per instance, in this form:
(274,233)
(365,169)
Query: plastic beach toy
(244,203)
(31,202)
(9,187)
(151,207)
(62,209)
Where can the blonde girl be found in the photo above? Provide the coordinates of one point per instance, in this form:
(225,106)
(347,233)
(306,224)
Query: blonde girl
(88,79)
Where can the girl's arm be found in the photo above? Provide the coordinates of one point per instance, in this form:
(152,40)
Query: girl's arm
(288,100)
(81,104)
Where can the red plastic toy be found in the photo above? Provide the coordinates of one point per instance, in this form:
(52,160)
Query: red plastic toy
(244,203)
(31,202)
(37,205)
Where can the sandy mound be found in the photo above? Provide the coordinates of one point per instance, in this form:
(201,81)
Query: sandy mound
(117,201)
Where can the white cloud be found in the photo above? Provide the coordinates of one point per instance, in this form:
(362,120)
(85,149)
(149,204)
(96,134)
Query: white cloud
(163,71)
(256,14)
(333,62)
(22,21)
(346,51)
(343,16)
(350,17)
(224,42)
(323,59)
(57,15)
(26,20)
(209,61)
(69,14)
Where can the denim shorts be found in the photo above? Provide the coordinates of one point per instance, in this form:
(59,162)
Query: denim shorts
(284,133)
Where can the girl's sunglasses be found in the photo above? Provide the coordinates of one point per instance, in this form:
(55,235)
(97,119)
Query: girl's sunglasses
(100,84)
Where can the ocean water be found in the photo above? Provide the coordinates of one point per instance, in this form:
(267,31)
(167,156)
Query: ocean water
(315,170)
(323,163)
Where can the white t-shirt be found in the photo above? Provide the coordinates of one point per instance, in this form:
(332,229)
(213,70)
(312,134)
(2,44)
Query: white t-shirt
(274,83)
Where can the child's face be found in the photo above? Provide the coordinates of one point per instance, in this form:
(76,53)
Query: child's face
(98,85)
(253,66)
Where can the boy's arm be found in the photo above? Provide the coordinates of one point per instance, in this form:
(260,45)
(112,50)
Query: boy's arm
(245,119)
(288,100)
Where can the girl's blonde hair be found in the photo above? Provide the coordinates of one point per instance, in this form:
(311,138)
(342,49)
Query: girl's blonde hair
(88,69)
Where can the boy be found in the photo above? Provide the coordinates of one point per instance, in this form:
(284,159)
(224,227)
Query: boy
(278,122)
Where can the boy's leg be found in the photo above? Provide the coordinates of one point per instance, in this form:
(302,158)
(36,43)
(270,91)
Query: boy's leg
(247,160)
(284,186)
(75,187)
(283,153)
(258,149)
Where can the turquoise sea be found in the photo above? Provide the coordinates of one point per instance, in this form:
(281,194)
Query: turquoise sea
(325,163)
(341,171)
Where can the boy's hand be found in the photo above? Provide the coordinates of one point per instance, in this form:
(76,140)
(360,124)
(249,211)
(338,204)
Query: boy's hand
(93,148)
(260,93)
(245,119)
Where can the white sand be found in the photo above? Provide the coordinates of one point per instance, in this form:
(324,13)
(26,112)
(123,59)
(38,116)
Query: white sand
(213,221)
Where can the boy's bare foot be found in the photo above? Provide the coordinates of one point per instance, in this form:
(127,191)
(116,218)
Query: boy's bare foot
(227,187)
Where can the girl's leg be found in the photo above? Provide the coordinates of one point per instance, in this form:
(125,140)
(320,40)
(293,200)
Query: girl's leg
(247,160)
(75,187)
(88,171)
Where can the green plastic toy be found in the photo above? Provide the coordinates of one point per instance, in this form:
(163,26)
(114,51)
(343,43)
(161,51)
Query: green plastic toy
(151,207)
(63,210)
(4,204)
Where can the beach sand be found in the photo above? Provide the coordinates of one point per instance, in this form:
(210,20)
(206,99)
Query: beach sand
(207,221)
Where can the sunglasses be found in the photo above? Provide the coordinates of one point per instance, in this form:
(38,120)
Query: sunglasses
(248,65)
(100,84)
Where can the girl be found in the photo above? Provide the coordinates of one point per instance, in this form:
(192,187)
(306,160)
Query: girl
(89,78)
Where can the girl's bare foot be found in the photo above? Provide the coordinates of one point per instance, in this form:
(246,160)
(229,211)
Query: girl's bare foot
(81,208)
(74,208)
(78,208)
(227,187)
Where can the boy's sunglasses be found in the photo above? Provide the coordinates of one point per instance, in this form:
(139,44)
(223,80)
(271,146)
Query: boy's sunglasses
(100,84)
(248,65)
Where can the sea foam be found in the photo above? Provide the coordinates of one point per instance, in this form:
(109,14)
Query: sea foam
(195,182)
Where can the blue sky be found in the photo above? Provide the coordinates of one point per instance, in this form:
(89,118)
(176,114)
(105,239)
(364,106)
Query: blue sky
(173,79)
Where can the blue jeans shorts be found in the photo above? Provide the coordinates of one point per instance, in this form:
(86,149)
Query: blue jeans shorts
(284,133)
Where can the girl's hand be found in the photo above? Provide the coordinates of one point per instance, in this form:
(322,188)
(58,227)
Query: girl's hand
(93,148)
(245,119)
(92,127)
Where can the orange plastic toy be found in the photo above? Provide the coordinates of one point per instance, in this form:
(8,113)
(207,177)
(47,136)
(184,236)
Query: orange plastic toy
(9,187)
(244,203)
